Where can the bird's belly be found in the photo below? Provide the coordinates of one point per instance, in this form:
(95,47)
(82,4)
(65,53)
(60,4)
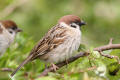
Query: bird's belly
(64,51)
(4,43)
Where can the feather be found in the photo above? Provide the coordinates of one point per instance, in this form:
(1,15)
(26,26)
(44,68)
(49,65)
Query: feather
(52,39)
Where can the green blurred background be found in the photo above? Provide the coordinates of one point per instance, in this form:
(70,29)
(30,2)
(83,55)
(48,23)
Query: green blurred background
(35,17)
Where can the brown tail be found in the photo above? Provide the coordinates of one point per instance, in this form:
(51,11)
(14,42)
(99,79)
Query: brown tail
(22,64)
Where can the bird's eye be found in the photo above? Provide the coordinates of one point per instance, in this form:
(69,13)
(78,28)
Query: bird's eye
(73,25)
(13,28)
(10,32)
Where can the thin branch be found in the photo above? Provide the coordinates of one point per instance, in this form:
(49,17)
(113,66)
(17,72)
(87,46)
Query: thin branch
(6,70)
(110,56)
(12,7)
(81,54)
(111,40)
(107,47)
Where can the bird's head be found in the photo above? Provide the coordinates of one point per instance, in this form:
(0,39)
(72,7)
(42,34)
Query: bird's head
(72,21)
(10,26)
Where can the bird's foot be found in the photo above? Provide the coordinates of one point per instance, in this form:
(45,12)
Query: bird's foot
(54,67)
(46,66)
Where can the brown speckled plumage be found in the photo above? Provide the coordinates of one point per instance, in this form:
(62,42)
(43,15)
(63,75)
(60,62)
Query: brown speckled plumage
(58,44)
(51,40)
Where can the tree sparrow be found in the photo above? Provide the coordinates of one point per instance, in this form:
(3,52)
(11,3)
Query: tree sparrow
(59,43)
(8,31)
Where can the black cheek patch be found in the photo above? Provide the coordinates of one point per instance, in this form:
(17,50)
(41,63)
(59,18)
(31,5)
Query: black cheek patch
(73,26)
(14,28)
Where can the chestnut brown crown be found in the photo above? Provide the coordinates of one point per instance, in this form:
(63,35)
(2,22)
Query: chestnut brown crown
(9,24)
(69,19)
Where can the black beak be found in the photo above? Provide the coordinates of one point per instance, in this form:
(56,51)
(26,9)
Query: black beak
(19,30)
(82,23)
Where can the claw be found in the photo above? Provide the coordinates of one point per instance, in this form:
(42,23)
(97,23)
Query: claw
(54,67)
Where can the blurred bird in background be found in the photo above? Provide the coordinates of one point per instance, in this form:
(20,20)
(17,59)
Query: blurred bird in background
(8,31)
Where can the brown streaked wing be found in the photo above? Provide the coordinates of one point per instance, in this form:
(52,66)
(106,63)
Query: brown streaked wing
(52,39)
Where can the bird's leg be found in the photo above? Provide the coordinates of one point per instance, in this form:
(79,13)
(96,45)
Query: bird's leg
(66,62)
(46,66)
(54,66)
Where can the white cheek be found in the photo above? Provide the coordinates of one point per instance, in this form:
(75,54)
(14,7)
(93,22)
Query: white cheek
(68,26)
(13,36)
(77,26)
(63,24)
(10,36)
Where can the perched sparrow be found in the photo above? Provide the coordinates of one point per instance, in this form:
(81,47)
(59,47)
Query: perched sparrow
(8,31)
(59,43)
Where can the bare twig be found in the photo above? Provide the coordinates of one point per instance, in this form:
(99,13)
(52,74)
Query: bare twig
(12,7)
(111,40)
(108,47)
(82,54)
(109,56)
(6,70)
